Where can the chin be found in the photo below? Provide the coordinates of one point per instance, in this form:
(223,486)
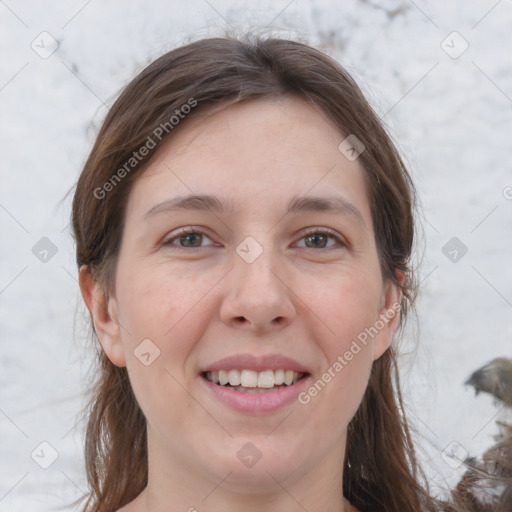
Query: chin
(261,466)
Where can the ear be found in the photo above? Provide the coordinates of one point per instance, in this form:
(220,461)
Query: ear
(103,311)
(389,315)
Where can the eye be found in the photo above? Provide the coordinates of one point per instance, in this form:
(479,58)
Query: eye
(315,238)
(318,238)
(187,238)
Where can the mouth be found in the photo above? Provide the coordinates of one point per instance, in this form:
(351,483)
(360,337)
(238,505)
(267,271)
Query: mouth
(253,382)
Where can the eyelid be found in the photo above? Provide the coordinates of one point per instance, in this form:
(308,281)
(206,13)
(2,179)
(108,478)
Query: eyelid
(201,231)
(326,231)
(173,236)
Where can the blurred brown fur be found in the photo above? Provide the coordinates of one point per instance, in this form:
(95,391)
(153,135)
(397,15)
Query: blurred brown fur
(494,378)
(486,486)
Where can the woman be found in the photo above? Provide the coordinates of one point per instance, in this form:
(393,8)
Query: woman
(244,229)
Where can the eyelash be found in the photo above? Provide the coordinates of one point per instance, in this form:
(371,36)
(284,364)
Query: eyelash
(311,231)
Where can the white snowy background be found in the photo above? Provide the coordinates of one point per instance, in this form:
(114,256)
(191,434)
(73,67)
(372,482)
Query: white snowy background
(448,108)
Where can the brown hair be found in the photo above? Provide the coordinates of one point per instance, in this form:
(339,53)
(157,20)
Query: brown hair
(380,468)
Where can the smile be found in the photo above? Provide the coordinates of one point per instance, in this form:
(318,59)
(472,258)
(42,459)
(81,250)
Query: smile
(252,398)
(250,381)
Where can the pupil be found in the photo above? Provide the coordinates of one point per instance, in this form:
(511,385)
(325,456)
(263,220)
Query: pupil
(191,240)
(315,238)
(191,237)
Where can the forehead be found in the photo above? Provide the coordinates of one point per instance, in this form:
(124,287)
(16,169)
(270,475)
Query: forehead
(258,154)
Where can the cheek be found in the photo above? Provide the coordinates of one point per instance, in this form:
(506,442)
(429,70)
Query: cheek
(348,306)
(161,324)
(337,390)
(163,305)
(163,314)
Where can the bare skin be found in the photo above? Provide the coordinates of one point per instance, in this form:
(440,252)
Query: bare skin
(307,296)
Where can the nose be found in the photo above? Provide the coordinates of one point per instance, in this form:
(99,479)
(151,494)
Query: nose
(257,296)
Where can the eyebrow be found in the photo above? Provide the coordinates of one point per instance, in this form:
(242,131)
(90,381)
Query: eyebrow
(330,204)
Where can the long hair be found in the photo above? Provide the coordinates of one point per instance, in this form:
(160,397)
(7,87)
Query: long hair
(380,468)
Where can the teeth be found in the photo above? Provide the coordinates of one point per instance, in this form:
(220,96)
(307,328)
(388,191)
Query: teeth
(288,377)
(249,379)
(242,379)
(266,379)
(223,377)
(234,377)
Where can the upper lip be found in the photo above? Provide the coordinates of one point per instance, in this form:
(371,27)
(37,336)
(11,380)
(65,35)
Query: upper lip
(256,363)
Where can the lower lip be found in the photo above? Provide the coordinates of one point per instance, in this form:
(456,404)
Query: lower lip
(257,402)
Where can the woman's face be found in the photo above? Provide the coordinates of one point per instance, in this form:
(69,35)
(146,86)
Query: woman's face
(276,276)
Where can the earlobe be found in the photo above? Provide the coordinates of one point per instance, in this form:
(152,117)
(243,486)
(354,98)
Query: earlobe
(104,316)
(389,315)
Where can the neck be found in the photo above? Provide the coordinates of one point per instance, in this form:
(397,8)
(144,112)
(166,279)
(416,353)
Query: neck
(173,483)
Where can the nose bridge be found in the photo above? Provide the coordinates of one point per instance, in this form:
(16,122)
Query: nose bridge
(256,264)
(257,293)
